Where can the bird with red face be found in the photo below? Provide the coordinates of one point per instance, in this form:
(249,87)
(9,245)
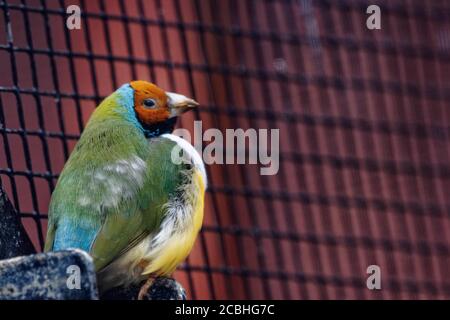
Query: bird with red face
(121,197)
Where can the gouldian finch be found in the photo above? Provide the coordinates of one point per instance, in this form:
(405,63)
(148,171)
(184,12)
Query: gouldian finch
(121,197)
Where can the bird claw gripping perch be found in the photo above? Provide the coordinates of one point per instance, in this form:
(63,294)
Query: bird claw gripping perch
(161,288)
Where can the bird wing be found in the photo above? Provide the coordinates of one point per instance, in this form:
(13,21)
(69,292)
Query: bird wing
(116,229)
(134,219)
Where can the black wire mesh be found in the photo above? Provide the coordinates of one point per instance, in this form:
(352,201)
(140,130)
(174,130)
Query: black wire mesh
(363,118)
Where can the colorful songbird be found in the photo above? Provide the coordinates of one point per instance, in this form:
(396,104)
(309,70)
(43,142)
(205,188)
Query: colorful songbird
(121,196)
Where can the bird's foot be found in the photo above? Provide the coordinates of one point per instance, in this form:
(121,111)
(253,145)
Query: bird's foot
(145,287)
(154,288)
(162,288)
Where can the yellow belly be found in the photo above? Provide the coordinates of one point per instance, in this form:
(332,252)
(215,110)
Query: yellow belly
(146,259)
(165,259)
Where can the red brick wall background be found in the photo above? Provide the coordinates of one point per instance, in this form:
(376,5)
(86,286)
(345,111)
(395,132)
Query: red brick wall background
(363,118)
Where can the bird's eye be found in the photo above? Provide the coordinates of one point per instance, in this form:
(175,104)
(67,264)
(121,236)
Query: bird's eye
(149,103)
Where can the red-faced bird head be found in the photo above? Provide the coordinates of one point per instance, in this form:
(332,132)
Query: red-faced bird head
(154,106)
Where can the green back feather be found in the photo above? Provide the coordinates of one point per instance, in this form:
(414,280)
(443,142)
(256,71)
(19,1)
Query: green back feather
(106,231)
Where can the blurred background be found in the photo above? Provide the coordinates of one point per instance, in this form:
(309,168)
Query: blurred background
(364,121)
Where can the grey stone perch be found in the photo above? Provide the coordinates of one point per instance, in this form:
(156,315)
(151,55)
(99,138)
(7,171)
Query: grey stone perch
(161,289)
(46,276)
(14,240)
(69,275)
(165,289)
